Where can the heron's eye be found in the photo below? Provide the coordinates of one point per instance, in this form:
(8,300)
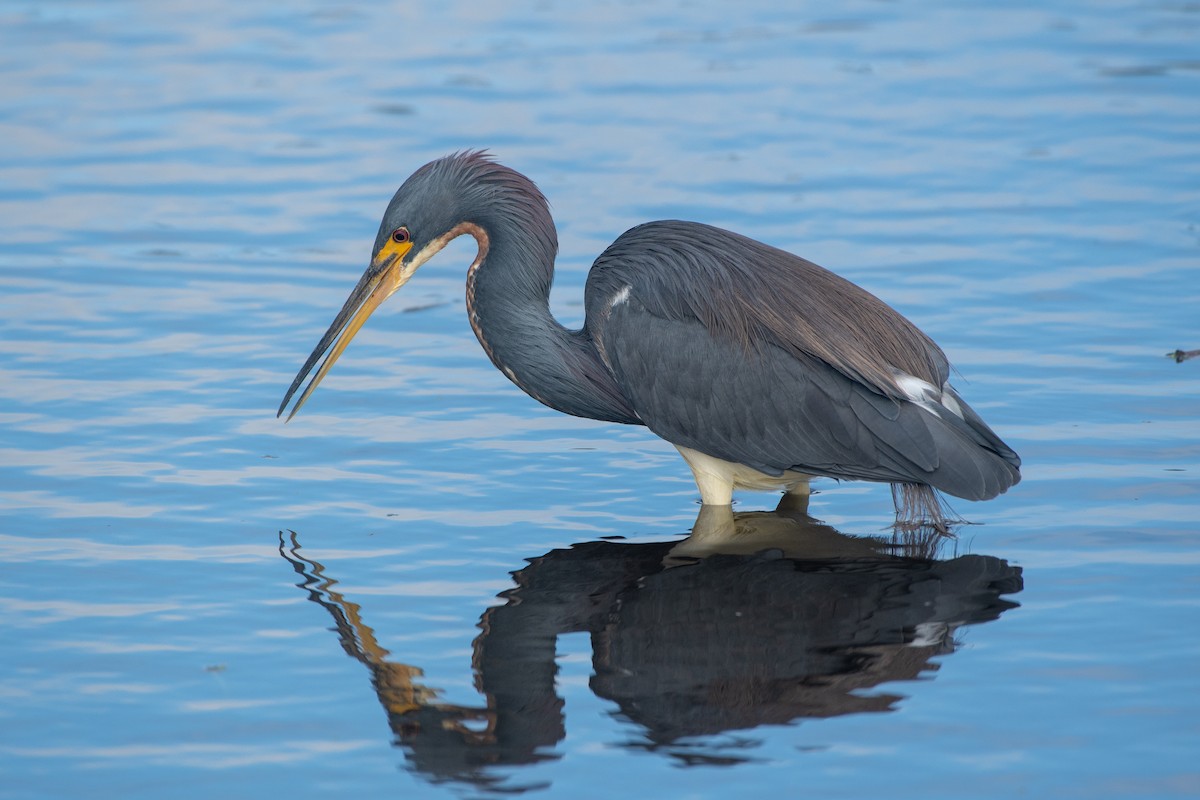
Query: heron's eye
(401,235)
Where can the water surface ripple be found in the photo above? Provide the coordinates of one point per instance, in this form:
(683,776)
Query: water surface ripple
(497,598)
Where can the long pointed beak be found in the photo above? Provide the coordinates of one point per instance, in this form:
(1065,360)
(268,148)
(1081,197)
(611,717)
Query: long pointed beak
(387,273)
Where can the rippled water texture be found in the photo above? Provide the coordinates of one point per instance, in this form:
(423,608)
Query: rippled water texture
(199,601)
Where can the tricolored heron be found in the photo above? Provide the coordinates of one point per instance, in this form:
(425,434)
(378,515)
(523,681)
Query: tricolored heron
(762,368)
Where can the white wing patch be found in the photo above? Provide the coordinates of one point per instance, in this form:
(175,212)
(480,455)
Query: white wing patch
(621,296)
(950,401)
(927,396)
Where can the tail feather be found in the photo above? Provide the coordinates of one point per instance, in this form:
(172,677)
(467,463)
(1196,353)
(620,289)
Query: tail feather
(973,462)
(923,518)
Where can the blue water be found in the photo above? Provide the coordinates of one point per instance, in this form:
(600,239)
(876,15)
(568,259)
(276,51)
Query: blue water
(200,601)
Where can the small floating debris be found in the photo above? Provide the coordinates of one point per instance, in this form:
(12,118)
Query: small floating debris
(1183,355)
(397,109)
(423,307)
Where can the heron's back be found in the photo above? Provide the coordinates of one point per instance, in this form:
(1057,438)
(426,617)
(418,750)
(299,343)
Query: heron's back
(753,355)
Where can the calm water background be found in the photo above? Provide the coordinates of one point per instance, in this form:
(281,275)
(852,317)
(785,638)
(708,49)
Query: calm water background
(188,191)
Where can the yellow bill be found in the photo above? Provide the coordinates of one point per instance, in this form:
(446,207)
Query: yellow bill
(387,273)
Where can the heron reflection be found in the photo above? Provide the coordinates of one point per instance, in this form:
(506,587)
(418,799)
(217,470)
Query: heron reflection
(755,619)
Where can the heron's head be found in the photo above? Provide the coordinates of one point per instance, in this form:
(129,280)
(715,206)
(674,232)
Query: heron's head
(439,202)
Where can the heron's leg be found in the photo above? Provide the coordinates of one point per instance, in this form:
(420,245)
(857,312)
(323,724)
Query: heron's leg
(714,477)
(795,499)
(715,490)
(793,503)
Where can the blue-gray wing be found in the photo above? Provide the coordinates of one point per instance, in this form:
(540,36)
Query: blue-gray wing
(765,400)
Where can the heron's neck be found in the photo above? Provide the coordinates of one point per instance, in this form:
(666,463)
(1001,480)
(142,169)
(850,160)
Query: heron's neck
(508,303)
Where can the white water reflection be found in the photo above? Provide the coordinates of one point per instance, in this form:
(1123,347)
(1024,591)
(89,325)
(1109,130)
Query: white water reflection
(198,755)
(17,549)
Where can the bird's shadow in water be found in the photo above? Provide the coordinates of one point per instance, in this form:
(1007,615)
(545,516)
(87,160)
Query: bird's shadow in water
(756,618)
